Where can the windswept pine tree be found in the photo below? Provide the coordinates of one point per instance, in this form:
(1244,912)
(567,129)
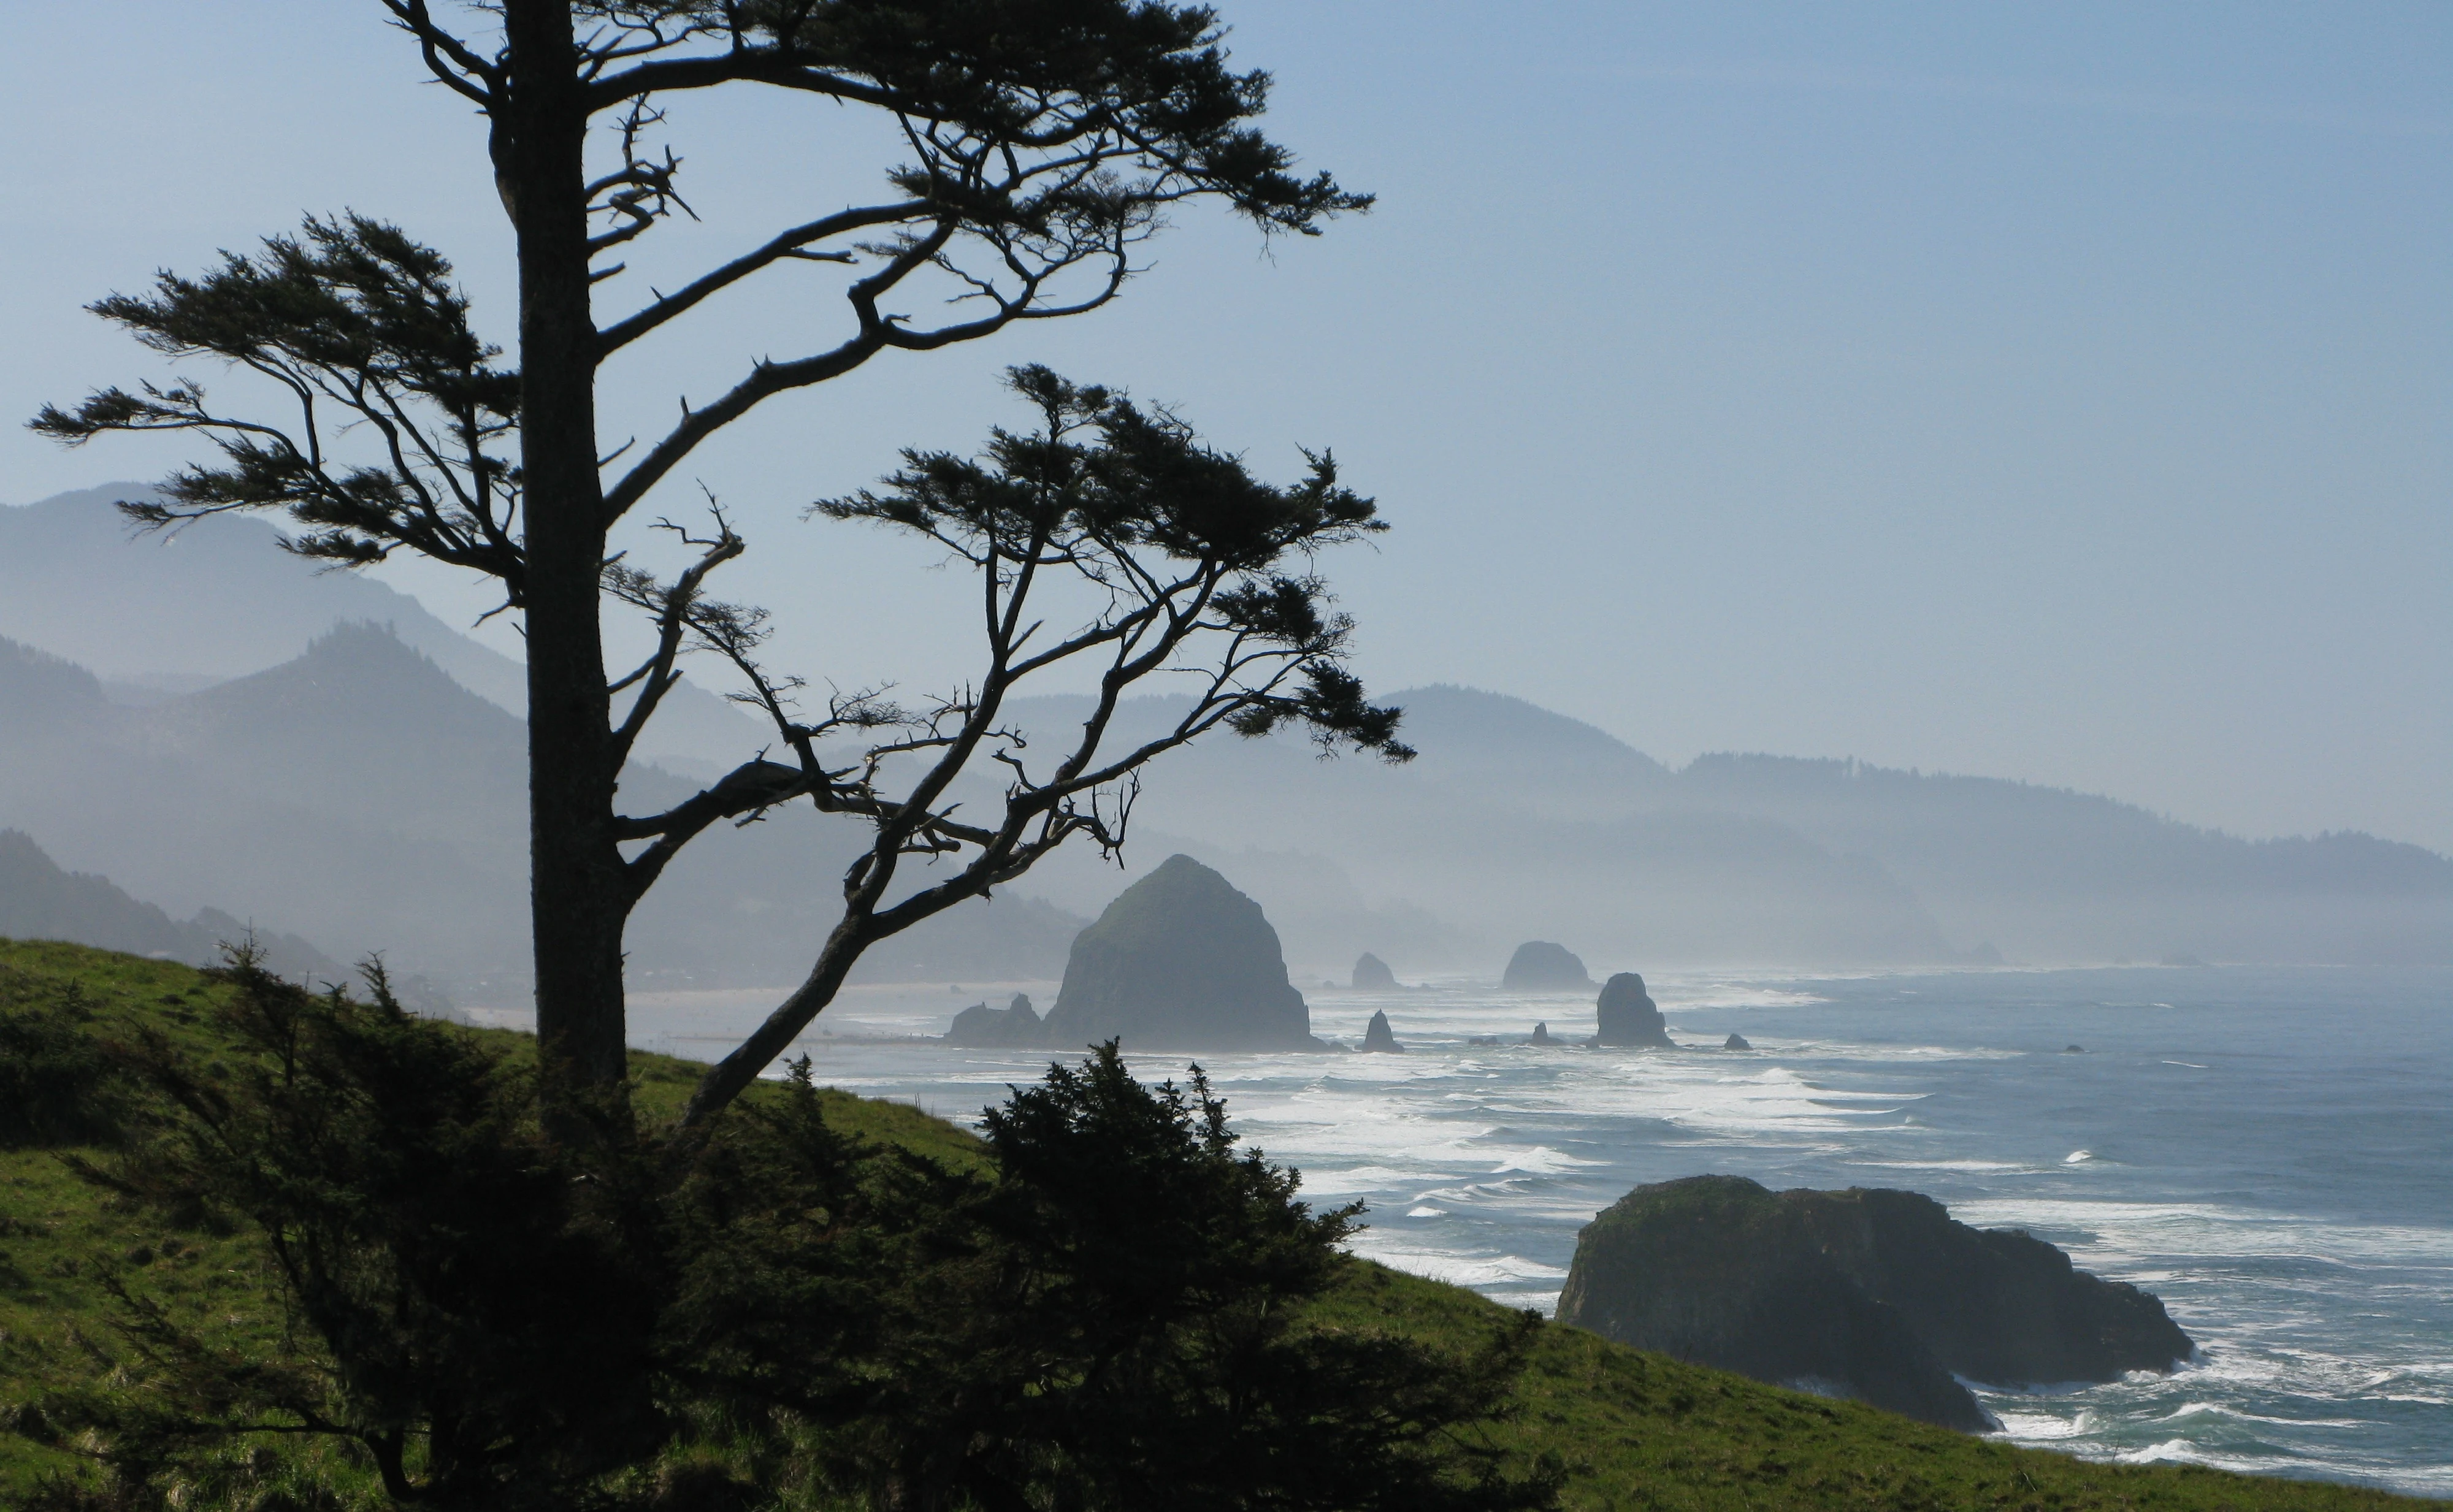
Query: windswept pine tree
(1040,148)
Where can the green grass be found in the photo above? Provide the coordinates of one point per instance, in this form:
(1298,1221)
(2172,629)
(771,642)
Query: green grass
(1635,1431)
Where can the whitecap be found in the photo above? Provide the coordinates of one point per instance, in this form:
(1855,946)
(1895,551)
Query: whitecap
(1541,1161)
(1321,1180)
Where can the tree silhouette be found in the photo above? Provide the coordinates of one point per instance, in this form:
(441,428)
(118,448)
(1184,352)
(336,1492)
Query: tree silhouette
(1042,144)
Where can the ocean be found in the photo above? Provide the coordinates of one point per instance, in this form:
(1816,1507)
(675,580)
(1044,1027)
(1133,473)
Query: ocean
(2269,1150)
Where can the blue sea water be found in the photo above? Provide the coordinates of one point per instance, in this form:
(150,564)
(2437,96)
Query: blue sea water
(2270,1151)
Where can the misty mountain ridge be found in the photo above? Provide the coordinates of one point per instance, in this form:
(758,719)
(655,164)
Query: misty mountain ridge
(363,794)
(357,794)
(38,901)
(1743,859)
(157,614)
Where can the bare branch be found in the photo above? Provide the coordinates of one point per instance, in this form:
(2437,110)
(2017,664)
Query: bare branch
(465,73)
(787,244)
(1187,546)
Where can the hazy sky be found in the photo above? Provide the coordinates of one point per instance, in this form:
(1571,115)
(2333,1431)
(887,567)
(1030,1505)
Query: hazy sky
(2051,392)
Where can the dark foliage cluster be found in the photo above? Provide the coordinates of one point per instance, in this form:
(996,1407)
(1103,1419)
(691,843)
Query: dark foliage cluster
(349,318)
(1103,1310)
(58,1085)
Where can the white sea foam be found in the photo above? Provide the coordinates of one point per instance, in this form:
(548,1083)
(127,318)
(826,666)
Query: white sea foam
(2321,1335)
(1542,1160)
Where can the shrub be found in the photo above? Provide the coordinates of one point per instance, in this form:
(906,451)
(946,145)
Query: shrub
(1103,1311)
(58,1084)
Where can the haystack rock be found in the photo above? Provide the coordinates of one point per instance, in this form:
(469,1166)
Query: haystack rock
(1736,1042)
(1540,967)
(1371,974)
(1878,1295)
(1180,961)
(1627,1015)
(981,1027)
(1379,1036)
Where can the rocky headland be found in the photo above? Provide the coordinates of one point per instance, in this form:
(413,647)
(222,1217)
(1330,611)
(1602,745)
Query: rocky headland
(1873,1294)
(1180,961)
(1628,1016)
(1539,966)
(1017,1025)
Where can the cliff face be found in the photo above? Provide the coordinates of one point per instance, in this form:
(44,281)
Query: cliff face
(1877,1295)
(1180,961)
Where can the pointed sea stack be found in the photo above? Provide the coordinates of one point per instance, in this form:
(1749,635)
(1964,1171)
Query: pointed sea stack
(1736,1042)
(1371,974)
(1627,1015)
(1542,1035)
(1540,967)
(1180,961)
(1379,1036)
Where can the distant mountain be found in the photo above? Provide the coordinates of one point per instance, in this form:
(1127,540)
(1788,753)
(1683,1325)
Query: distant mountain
(364,798)
(1516,823)
(158,614)
(363,794)
(1487,840)
(2049,873)
(38,901)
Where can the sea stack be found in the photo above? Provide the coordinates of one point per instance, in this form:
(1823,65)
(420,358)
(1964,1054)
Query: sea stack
(1627,1015)
(1879,1295)
(1379,1036)
(1371,974)
(1736,1042)
(1542,1035)
(1540,967)
(1180,961)
(981,1027)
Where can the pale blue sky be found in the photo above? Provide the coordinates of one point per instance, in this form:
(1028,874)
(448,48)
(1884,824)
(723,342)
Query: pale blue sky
(2051,392)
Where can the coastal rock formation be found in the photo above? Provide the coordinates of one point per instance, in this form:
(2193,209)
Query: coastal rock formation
(1180,961)
(1736,1042)
(1542,1035)
(1627,1015)
(1371,974)
(1540,967)
(1379,1036)
(1877,1295)
(1011,1028)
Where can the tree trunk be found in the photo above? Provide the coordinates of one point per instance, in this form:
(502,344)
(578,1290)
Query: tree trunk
(574,869)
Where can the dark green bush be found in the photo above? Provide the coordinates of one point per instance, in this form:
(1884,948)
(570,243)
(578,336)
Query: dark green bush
(1102,1312)
(59,1085)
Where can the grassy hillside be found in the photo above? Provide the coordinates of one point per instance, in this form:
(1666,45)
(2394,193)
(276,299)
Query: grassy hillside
(1635,1429)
